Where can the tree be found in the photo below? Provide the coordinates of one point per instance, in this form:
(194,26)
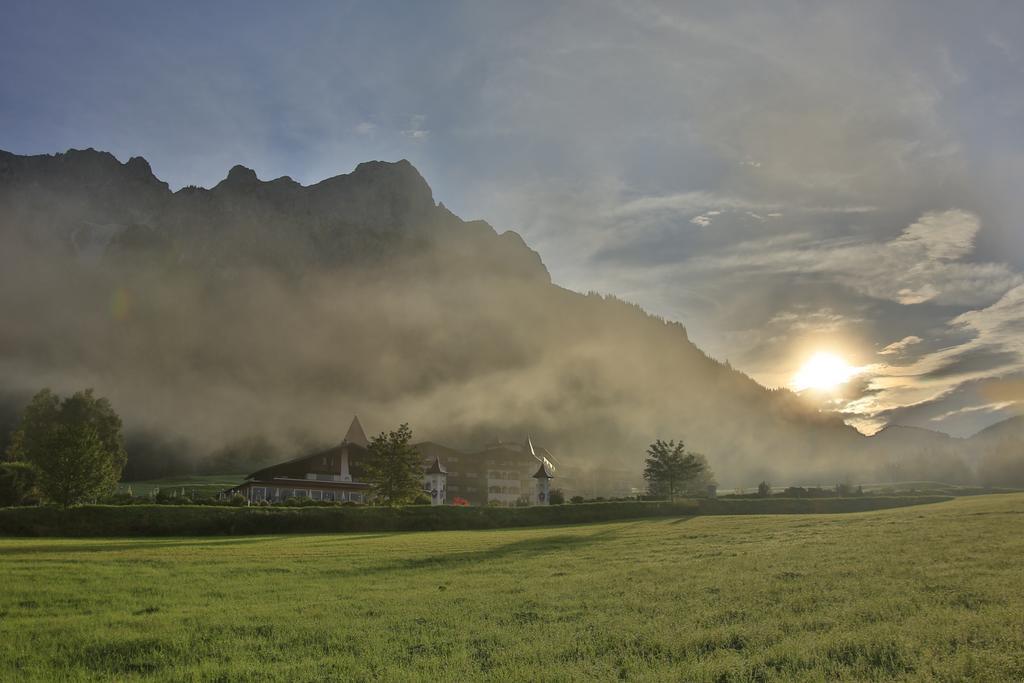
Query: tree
(556,497)
(699,483)
(395,467)
(75,445)
(764,489)
(669,466)
(16,482)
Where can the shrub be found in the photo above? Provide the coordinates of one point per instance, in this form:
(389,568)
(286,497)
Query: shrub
(186,520)
(164,496)
(238,500)
(576,500)
(557,497)
(118,498)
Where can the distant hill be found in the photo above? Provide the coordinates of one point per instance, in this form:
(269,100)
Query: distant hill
(267,312)
(905,453)
(901,437)
(1010,428)
(997,453)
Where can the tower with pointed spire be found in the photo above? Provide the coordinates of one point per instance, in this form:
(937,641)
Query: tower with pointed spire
(543,477)
(435,482)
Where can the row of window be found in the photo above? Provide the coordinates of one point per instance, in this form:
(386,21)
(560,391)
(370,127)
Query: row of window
(272,494)
(504,474)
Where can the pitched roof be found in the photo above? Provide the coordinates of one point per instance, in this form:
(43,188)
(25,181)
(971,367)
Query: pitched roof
(355,433)
(308,456)
(542,472)
(436,467)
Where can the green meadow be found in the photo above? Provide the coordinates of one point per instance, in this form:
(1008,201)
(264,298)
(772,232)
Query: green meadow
(932,592)
(191,485)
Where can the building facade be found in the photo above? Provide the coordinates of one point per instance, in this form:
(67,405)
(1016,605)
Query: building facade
(501,473)
(333,475)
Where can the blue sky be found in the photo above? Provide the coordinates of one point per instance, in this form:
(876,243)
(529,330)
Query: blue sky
(783,179)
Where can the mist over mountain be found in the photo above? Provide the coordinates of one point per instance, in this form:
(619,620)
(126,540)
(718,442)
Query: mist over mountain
(242,323)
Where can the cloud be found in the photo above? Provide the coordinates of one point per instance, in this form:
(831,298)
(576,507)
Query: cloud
(823,320)
(682,202)
(923,264)
(987,408)
(946,236)
(416,130)
(993,347)
(898,347)
(704,219)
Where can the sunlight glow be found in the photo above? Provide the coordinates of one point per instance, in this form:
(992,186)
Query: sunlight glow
(822,372)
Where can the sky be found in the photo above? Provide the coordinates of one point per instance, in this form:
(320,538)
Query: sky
(783,178)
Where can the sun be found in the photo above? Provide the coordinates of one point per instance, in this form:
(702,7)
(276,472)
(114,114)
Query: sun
(823,371)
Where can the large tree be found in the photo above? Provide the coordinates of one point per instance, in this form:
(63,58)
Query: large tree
(669,466)
(74,443)
(395,467)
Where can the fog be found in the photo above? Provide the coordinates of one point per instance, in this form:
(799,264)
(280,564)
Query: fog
(248,323)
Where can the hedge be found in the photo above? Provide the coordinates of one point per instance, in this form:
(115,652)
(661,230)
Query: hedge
(195,520)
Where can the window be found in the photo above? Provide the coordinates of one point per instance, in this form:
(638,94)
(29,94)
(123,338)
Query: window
(259,493)
(316,495)
(329,496)
(301,493)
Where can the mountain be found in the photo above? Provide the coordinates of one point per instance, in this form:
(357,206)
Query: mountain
(1011,428)
(915,454)
(272,311)
(91,202)
(997,453)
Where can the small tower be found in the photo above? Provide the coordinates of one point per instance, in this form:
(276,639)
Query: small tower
(435,481)
(543,478)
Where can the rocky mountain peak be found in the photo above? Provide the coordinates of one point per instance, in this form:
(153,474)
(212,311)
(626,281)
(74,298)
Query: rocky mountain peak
(239,176)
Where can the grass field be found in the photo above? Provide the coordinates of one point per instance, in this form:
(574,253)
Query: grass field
(932,592)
